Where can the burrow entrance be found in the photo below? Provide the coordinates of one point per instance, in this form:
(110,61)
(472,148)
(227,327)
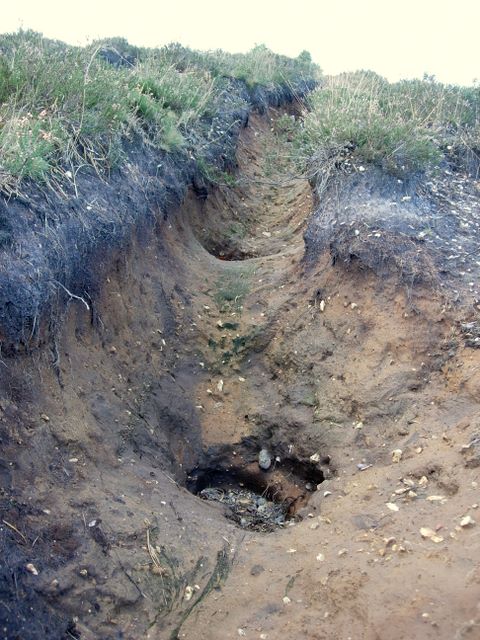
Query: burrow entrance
(255,498)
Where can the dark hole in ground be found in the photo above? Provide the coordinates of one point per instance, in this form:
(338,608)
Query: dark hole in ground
(253,498)
(234,254)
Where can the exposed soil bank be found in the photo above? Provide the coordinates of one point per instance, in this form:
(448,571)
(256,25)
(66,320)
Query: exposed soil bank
(196,360)
(57,243)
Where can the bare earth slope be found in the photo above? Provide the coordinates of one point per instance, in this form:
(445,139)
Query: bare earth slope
(216,339)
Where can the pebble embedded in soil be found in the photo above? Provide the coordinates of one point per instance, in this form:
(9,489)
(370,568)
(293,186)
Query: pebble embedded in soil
(264,460)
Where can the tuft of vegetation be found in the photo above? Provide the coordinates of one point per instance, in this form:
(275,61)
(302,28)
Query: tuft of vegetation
(404,127)
(63,107)
(232,288)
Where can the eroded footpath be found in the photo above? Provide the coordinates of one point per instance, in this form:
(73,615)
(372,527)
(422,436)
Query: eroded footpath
(214,339)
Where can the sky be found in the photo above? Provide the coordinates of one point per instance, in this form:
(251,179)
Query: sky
(395,38)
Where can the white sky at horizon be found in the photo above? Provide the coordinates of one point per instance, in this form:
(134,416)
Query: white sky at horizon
(396,39)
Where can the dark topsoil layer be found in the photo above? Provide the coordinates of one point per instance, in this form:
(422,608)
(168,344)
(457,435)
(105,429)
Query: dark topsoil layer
(421,228)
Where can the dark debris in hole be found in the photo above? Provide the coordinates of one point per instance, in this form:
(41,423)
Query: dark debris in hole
(471,333)
(253,498)
(248,509)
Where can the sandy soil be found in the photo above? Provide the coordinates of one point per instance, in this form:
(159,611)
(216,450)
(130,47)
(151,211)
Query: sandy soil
(216,336)
(380,370)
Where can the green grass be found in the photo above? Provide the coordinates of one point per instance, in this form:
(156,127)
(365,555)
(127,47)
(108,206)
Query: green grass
(232,288)
(62,107)
(403,127)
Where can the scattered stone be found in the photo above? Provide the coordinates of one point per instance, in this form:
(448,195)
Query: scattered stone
(467,521)
(315,457)
(256,570)
(188,593)
(220,386)
(430,534)
(286,600)
(31,569)
(397,455)
(361,466)
(322,305)
(291,550)
(392,506)
(320,557)
(264,459)
(44,417)
(471,451)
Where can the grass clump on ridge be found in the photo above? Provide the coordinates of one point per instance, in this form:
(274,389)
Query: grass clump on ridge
(403,127)
(63,107)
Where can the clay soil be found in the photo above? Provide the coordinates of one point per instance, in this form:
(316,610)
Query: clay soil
(213,340)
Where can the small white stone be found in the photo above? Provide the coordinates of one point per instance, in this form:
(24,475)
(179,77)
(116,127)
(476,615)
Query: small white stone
(467,521)
(31,569)
(392,506)
(397,455)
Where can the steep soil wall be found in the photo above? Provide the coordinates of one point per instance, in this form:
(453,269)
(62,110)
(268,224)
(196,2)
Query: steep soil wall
(56,240)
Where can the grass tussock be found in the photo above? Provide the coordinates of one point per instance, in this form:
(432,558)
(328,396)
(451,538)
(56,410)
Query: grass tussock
(232,289)
(62,107)
(403,127)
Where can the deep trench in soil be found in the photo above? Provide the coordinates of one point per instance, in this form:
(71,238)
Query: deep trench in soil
(254,497)
(215,352)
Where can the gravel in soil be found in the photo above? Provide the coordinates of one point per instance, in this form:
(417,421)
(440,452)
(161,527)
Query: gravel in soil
(248,509)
